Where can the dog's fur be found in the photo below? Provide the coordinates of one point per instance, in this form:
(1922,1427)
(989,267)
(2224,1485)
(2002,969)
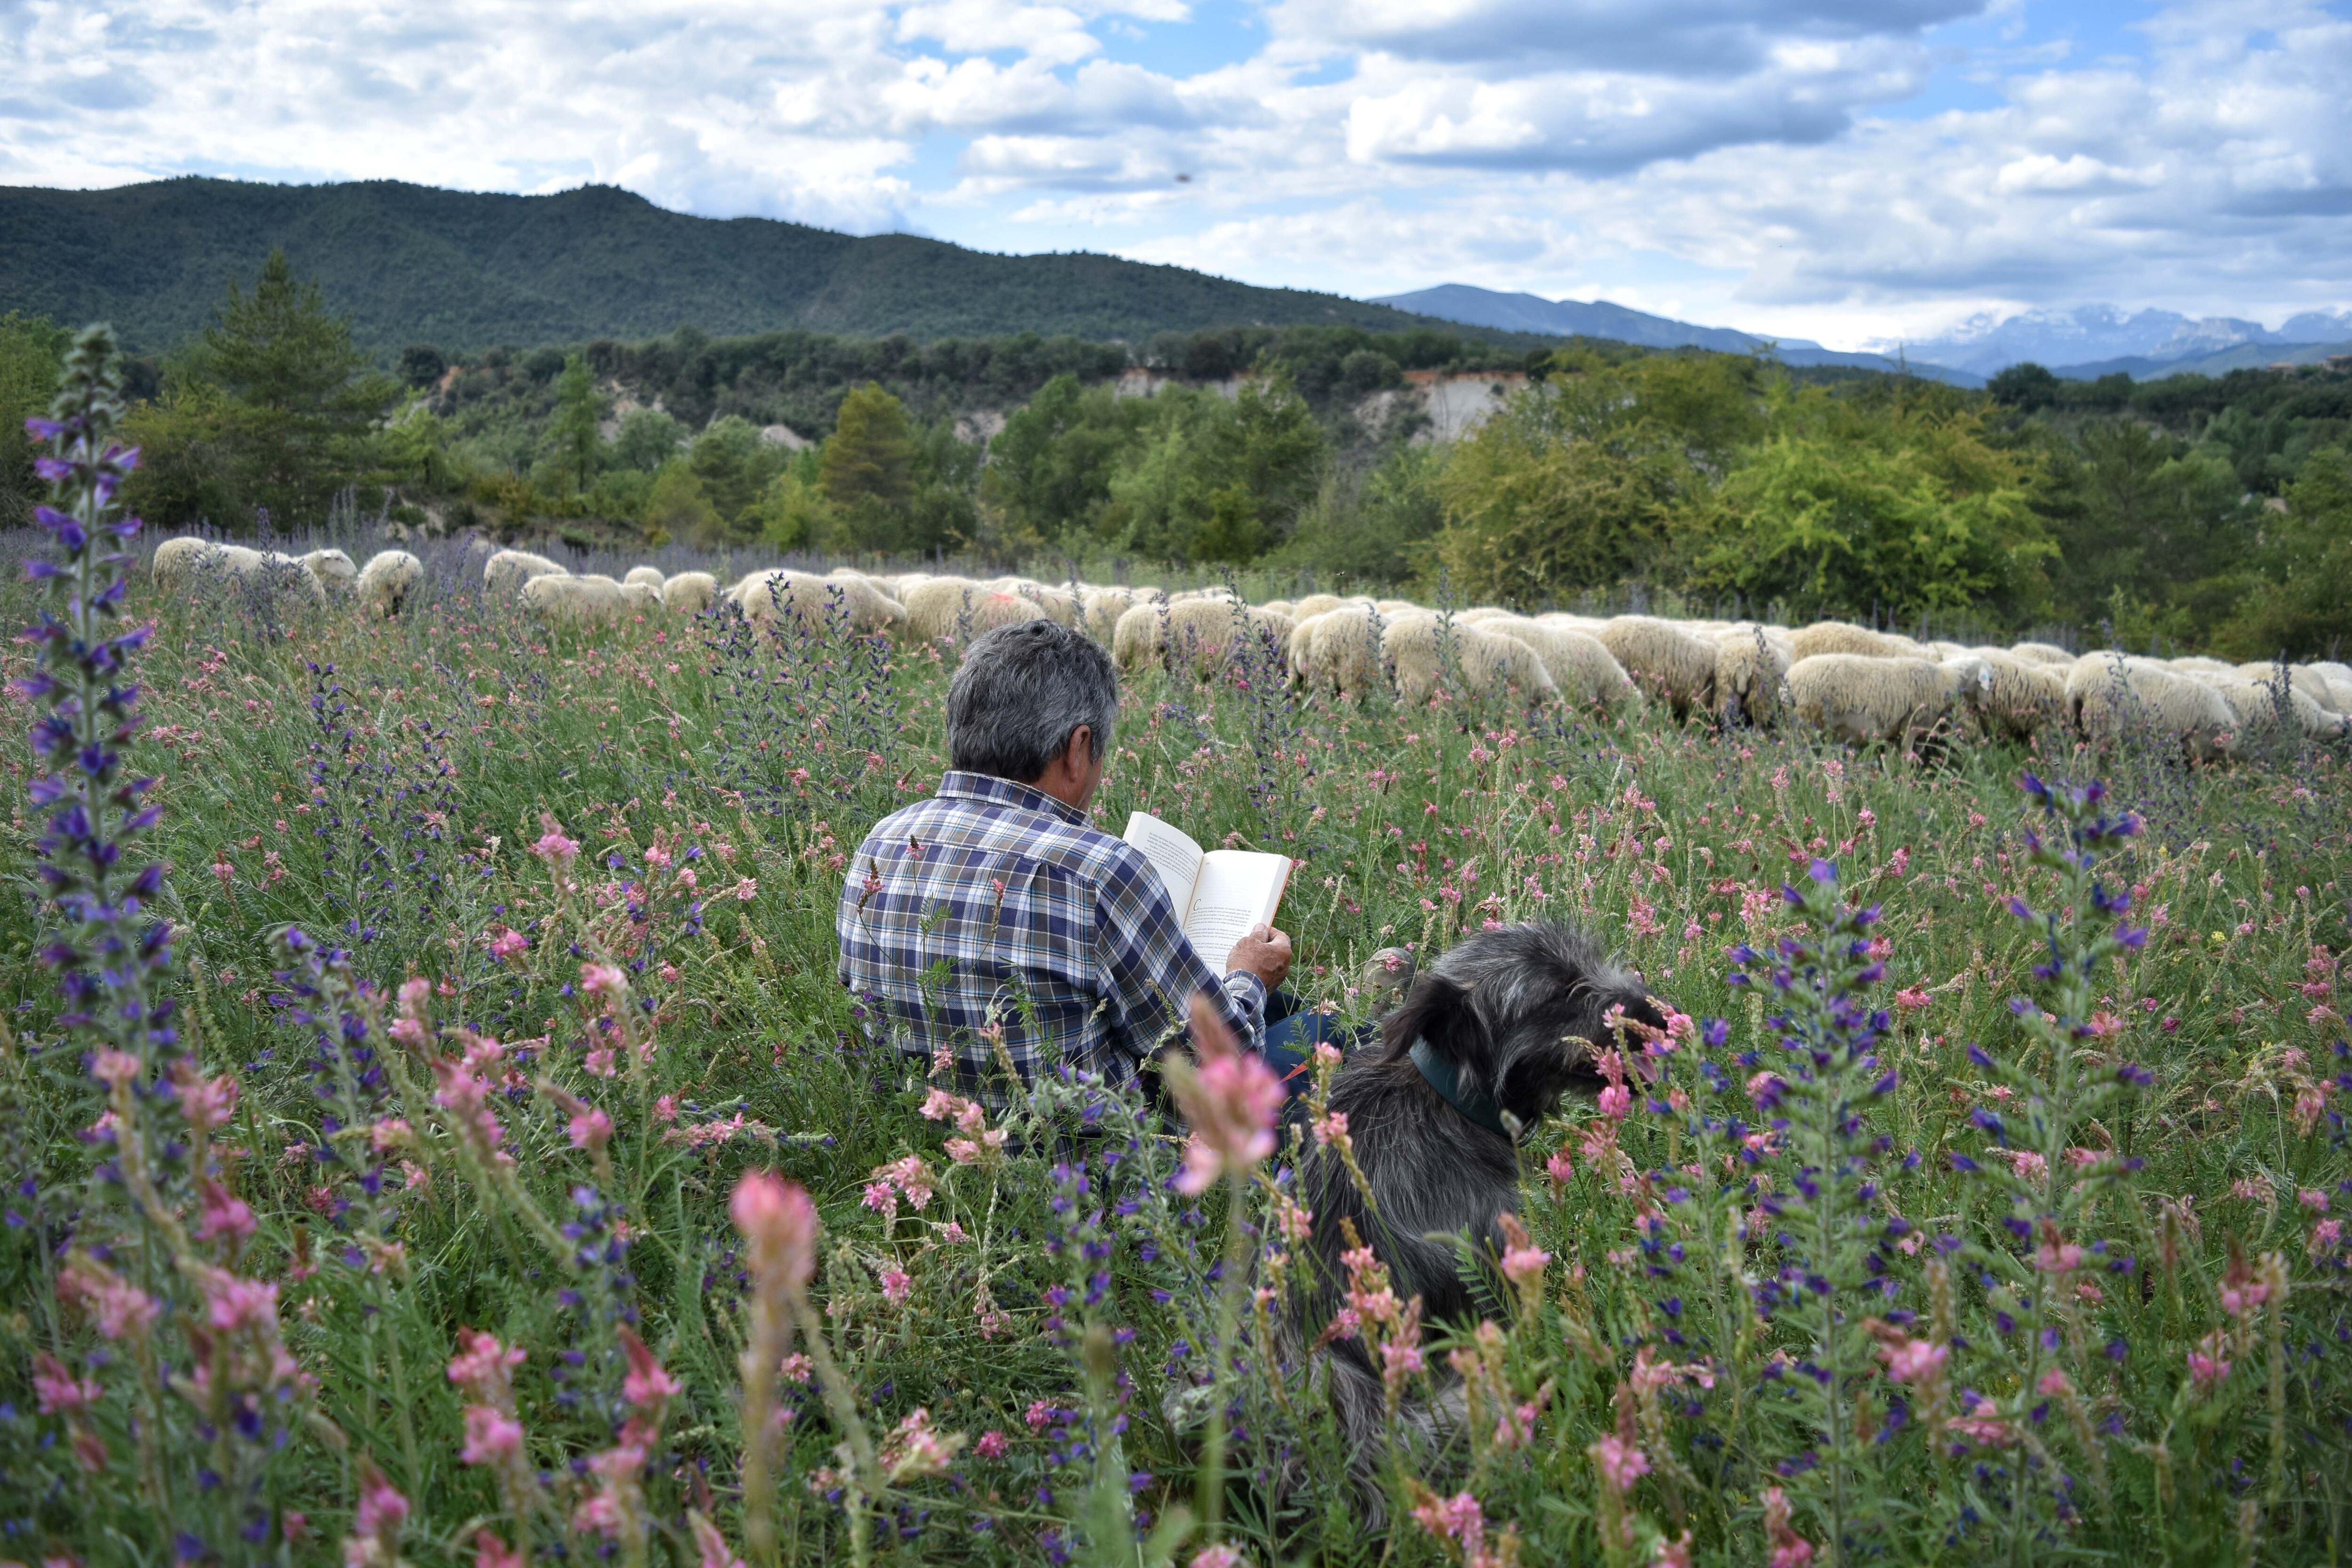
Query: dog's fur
(1519,1013)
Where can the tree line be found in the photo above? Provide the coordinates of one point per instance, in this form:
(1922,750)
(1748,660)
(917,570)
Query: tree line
(2193,511)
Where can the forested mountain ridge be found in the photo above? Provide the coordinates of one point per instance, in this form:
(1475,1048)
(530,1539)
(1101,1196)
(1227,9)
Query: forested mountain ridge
(465,270)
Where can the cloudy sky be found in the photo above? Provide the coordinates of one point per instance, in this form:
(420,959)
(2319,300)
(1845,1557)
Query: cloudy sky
(1842,170)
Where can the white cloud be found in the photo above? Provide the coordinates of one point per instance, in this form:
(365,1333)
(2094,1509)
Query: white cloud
(1753,163)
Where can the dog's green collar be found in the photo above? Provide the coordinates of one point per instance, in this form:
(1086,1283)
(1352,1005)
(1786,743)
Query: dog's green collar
(1442,1077)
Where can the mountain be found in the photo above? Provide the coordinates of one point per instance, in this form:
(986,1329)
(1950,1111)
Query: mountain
(1599,319)
(2098,334)
(2244,357)
(466,270)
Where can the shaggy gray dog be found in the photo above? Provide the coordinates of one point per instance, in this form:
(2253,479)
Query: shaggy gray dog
(1490,1035)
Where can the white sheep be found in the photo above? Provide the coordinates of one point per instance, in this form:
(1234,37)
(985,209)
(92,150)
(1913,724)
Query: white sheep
(1205,633)
(270,571)
(1103,607)
(2113,696)
(1585,672)
(2041,653)
(2254,705)
(1861,699)
(2022,699)
(1751,671)
(504,574)
(334,569)
(384,584)
(584,601)
(177,560)
(1667,662)
(765,596)
(1844,637)
(1347,649)
(1418,647)
(651,576)
(690,592)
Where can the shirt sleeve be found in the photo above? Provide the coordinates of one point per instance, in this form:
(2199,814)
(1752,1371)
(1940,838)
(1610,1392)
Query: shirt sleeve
(1151,971)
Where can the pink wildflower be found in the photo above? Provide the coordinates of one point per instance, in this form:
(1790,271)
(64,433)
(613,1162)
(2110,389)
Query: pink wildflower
(2313,1198)
(897,1284)
(1219,1556)
(991,1444)
(1230,1099)
(1330,1128)
(115,1068)
(1789,1549)
(1560,1166)
(224,1214)
(590,1129)
(914,1449)
(746,889)
(1620,1464)
(1912,999)
(1915,1361)
(644,1385)
(492,1437)
(1458,1518)
(603,980)
(778,1220)
(1038,1414)
(1616,1101)
(484,1368)
(2053,1385)
(508,943)
(121,1308)
(553,846)
(204,1104)
(57,1390)
(489,1552)
(1525,1265)
(710,1546)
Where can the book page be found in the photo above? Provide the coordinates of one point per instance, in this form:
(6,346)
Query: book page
(1237,889)
(1172,855)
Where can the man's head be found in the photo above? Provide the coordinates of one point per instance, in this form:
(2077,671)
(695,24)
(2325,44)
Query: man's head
(1034,702)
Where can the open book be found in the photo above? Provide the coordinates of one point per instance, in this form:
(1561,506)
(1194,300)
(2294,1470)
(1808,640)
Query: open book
(1217,894)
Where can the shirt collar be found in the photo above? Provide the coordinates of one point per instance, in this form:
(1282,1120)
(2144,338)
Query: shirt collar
(960,786)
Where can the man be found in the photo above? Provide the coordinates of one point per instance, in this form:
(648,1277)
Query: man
(993,925)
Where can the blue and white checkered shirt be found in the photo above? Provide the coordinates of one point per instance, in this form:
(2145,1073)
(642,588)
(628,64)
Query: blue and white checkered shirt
(993,904)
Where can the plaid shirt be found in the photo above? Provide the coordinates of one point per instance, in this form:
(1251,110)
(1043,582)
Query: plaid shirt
(992,902)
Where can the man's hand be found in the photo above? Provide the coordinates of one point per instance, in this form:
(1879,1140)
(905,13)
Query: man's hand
(1265,953)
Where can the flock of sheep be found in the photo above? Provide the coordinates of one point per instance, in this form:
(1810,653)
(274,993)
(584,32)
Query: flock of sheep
(1851,683)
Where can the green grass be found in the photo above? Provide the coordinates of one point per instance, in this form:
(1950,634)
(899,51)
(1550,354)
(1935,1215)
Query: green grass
(1411,827)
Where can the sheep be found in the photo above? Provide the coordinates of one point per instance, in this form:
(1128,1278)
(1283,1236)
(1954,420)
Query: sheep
(1750,669)
(1860,699)
(2339,681)
(936,605)
(2112,694)
(651,576)
(2197,664)
(384,584)
(1207,633)
(1668,663)
(178,560)
(1347,649)
(1314,604)
(2311,683)
(1282,607)
(2254,705)
(690,592)
(2021,699)
(1585,672)
(1102,608)
(1844,637)
(764,596)
(265,569)
(584,601)
(334,569)
(1419,646)
(504,574)
(2040,653)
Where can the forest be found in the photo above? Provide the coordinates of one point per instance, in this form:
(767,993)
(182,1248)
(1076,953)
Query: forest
(2213,513)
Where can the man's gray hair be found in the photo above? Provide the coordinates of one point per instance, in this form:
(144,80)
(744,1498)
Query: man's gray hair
(1021,693)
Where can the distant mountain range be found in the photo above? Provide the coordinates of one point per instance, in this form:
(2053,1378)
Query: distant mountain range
(1599,319)
(2091,340)
(467,271)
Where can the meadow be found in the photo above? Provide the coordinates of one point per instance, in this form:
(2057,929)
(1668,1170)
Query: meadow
(1988,1207)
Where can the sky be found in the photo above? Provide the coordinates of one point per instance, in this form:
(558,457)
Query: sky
(1849,171)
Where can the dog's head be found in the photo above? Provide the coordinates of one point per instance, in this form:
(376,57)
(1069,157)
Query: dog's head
(1520,1013)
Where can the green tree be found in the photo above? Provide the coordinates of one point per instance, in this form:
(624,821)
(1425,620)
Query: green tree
(291,425)
(794,512)
(1370,525)
(1050,468)
(677,506)
(1214,480)
(732,464)
(2301,606)
(31,349)
(1894,503)
(869,461)
(1576,484)
(579,415)
(647,439)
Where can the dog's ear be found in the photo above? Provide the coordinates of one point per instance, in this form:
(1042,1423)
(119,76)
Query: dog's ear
(1436,1009)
